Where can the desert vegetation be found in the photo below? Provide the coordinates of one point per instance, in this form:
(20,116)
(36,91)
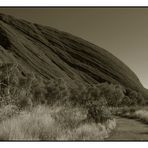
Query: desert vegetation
(134,113)
(44,123)
(33,108)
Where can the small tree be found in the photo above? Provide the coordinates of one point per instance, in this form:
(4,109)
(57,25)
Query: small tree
(133,96)
(113,93)
(57,90)
(126,101)
(95,105)
(140,99)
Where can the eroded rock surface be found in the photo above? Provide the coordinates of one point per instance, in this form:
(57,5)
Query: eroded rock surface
(52,53)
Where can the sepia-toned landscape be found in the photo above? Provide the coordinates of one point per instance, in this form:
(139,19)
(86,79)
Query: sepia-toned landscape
(55,86)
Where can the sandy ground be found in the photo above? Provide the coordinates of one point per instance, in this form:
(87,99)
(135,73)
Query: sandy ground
(129,129)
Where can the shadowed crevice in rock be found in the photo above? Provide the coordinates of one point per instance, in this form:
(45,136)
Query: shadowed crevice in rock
(4,40)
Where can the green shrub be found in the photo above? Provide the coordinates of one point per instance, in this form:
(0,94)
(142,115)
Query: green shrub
(114,94)
(133,98)
(126,101)
(57,90)
(78,94)
(90,98)
(38,90)
(140,99)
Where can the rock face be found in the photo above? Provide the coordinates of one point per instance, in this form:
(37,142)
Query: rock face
(52,53)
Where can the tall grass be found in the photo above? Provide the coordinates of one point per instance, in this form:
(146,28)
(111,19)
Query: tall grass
(41,124)
(8,111)
(91,131)
(34,125)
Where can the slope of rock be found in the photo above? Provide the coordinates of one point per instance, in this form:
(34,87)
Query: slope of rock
(53,53)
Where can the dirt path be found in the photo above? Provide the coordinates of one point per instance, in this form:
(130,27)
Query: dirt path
(129,129)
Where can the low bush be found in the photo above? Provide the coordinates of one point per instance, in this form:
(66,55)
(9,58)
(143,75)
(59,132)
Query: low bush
(142,115)
(57,91)
(133,98)
(92,101)
(113,94)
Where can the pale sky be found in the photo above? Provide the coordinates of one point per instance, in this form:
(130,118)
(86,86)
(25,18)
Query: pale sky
(121,31)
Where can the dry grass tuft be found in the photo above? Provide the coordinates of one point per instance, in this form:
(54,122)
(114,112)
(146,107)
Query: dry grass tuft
(35,125)
(91,131)
(8,111)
